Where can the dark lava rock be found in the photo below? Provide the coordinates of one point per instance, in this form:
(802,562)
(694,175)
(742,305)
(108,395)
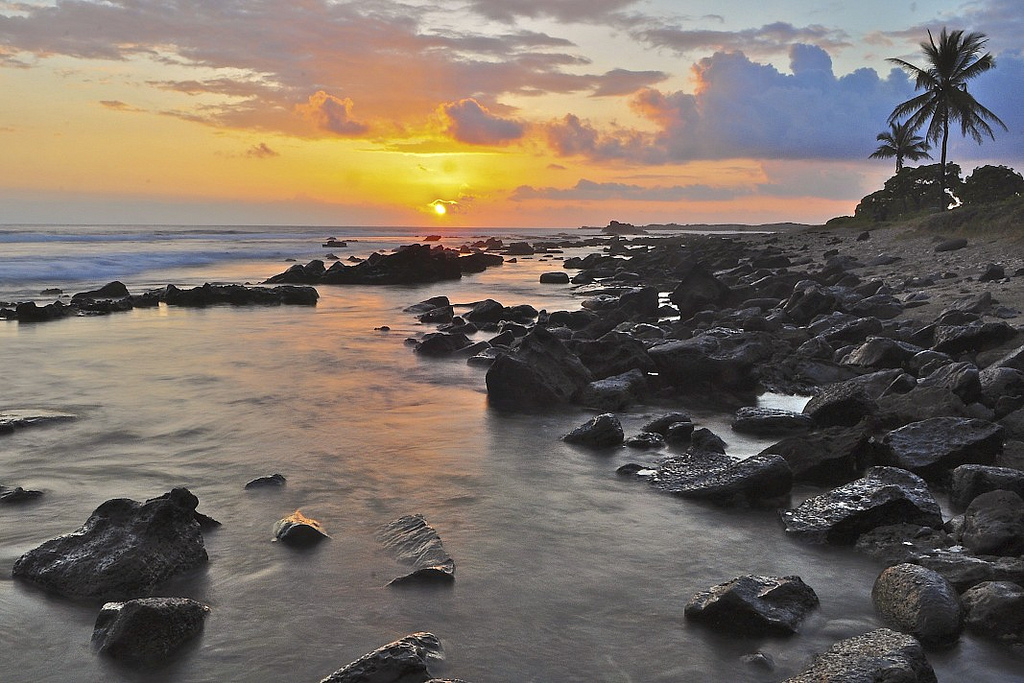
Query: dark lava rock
(123,549)
(754,605)
(112,290)
(441,344)
(661,423)
(299,531)
(881,352)
(920,602)
(430,304)
(615,393)
(540,372)
(770,421)
(237,295)
(29,312)
(993,271)
(994,524)
(829,457)
(995,609)
(964,570)
(410,264)
(17,419)
(147,630)
(679,433)
(272,480)
(721,360)
(557,277)
(613,354)
(970,481)
(952,244)
(10,496)
(723,479)
(898,543)
(602,431)
(402,661)
(704,439)
(645,440)
(520,249)
(880,656)
(933,447)
(843,404)
(972,337)
(698,289)
(416,543)
(438,316)
(884,496)
(963,379)
(923,402)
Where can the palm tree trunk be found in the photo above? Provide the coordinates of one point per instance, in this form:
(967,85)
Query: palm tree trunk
(942,164)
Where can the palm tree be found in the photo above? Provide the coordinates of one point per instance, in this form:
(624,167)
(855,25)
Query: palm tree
(901,142)
(950,63)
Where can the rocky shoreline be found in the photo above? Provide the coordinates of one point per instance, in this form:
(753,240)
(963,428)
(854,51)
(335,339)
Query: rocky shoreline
(908,344)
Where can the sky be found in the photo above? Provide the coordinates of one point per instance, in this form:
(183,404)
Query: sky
(469,112)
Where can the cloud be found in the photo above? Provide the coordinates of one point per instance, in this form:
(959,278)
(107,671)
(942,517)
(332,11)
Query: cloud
(261,151)
(588,190)
(624,82)
(470,122)
(768,39)
(562,10)
(331,113)
(744,109)
(118,105)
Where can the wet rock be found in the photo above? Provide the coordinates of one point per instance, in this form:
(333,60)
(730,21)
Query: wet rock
(994,524)
(409,264)
(829,457)
(147,630)
(124,548)
(430,304)
(843,404)
(884,496)
(972,337)
(520,249)
(645,441)
(613,354)
(17,419)
(661,423)
(401,661)
(299,531)
(269,481)
(441,344)
(933,447)
(722,479)
(1001,384)
(237,295)
(770,421)
(602,431)
(704,439)
(963,379)
(112,290)
(899,543)
(920,403)
(540,372)
(29,312)
(13,495)
(964,570)
(919,602)
(416,543)
(880,353)
(698,289)
(970,481)
(679,433)
(877,656)
(437,316)
(808,300)
(615,393)
(995,609)
(754,605)
(723,361)
(557,277)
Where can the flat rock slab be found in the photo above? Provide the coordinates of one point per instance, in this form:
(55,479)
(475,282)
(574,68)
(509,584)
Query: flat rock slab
(880,655)
(884,496)
(416,543)
(17,419)
(125,548)
(754,605)
(920,602)
(401,661)
(147,629)
(934,447)
(720,478)
(770,421)
(964,570)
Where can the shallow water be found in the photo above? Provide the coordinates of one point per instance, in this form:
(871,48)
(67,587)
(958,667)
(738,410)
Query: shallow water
(565,572)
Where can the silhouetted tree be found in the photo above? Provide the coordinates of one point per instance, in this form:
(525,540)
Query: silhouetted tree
(901,142)
(949,64)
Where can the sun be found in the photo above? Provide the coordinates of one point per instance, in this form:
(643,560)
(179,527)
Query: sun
(440,209)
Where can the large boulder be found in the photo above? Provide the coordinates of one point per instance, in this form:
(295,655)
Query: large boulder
(934,447)
(612,354)
(403,661)
(416,543)
(722,479)
(147,630)
(697,289)
(828,457)
(601,431)
(920,602)
(125,548)
(723,361)
(884,496)
(972,337)
(970,481)
(539,373)
(615,393)
(754,605)
(995,609)
(994,524)
(881,656)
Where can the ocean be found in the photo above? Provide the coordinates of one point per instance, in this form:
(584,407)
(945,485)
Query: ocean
(566,572)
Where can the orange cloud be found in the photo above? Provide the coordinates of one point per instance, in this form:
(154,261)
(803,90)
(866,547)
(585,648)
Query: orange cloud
(332,114)
(470,122)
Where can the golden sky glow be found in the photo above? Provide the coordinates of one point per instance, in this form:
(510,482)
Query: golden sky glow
(476,112)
